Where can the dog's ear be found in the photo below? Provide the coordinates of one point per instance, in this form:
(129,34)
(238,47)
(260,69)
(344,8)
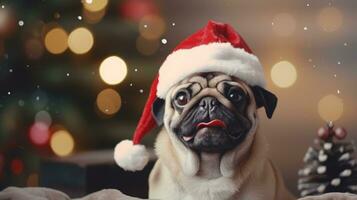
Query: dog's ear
(158,110)
(265,98)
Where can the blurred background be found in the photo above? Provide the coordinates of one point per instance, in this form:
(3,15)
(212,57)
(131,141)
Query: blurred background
(74,75)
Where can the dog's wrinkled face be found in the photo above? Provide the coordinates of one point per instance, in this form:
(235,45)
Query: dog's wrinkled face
(211,112)
(209,115)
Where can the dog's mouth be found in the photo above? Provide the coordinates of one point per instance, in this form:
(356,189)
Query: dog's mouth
(214,131)
(215,123)
(213,135)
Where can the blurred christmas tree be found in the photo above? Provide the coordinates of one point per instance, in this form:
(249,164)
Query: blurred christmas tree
(330,167)
(67,72)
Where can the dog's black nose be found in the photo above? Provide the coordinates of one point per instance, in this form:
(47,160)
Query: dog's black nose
(208,103)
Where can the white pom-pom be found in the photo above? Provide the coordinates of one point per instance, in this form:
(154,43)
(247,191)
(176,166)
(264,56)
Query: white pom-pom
(131,157)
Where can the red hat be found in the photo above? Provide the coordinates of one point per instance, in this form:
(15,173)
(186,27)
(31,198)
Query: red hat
(215,48)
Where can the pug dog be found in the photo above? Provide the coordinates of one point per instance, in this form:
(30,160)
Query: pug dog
(210,147)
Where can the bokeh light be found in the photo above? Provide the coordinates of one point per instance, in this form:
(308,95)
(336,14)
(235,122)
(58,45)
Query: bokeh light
(136,9)
(39,133)
(45,28)
(283,74)
(330,107)
(108,101)
(151,27)
(62,143)
(80,40)
(330,19)
(17,166)
(147,47)
(7,23)
(43,117)
(113,70)
(95,5)
(284,24)
(56,41)
(93,17)
(4,16)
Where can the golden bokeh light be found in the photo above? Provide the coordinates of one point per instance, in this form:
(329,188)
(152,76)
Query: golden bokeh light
(47,27)
(113,70)
(62,143)
(330,107)
(8,23)
(283,74)
(95,5)
(284,24)
(108,101)
(56,41)
(80,40)
(147,47)
(4,16)
(93,17)
(330,19)
(151,27)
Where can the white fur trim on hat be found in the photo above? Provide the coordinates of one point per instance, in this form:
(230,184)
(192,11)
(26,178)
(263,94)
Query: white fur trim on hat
(131,157)
(213,57)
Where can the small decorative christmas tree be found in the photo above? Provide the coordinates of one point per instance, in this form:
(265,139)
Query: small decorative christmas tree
(330,166)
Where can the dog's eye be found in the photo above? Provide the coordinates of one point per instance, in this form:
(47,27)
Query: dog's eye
(182,98)
(235,94)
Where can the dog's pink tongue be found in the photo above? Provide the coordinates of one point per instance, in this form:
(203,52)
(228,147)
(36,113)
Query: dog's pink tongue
(215,122)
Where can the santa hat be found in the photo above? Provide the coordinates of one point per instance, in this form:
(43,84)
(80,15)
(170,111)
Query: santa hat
(215,48)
